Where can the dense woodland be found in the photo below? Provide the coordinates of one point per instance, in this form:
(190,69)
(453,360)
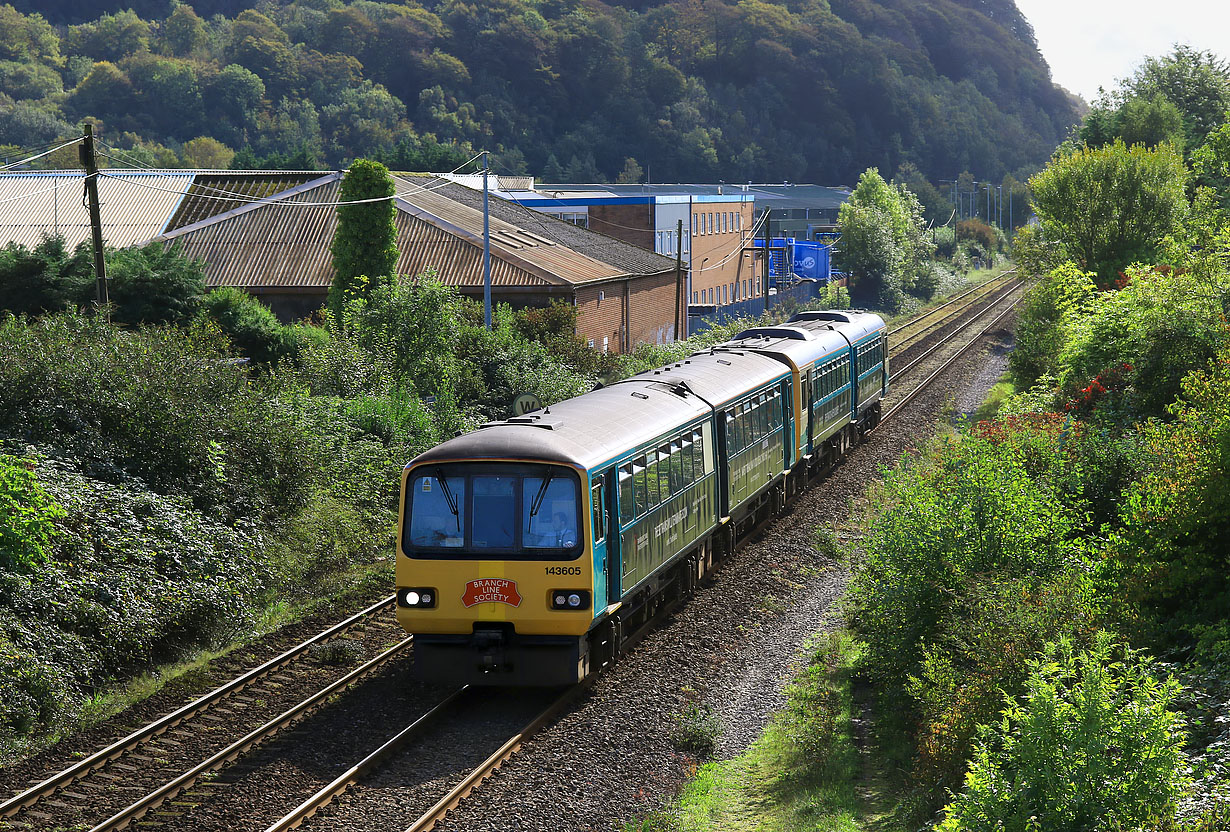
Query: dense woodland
(807,90)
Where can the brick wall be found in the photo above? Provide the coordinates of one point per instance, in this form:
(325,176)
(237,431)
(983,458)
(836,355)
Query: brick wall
(716,261)
(630,223)
(651,307)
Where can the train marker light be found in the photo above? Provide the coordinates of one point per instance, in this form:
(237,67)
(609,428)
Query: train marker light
(569,599)
(417,597)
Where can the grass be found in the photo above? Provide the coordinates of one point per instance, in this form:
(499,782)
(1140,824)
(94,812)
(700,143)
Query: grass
(812,770)
(995,399)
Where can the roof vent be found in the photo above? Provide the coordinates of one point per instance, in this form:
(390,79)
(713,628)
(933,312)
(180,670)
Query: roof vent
(825,315)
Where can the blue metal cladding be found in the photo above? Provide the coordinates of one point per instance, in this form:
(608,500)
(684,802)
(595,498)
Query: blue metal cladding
(791,258)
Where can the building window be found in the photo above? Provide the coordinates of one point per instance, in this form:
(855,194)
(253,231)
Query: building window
(725,293)
(605,343)
(711,222)
(694,295)
(739,221)
(694,231)
(745,287)
(590,343)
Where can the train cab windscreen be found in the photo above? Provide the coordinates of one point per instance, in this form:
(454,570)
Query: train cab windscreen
(472,512)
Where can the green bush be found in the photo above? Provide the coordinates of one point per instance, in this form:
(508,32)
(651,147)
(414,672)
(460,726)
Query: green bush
(249,324)
(1091,746)
(47,278)
(971,509)
(28,516)
(945,242)
(135,578)
(156,284)
(164,405)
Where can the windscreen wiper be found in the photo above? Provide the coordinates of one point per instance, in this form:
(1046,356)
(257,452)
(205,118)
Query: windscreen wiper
(448,497)
(542,493)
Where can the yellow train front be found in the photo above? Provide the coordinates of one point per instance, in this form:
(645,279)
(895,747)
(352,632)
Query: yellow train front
(531,551)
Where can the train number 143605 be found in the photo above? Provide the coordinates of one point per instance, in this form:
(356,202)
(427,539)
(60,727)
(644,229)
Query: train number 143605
(563,570)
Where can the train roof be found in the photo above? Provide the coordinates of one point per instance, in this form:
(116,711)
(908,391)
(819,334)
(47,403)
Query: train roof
(599,426)
(854,324)
(717,376)
(799,346)
(586,431)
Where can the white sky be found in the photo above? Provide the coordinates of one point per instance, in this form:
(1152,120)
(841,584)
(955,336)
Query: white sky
(1092,43)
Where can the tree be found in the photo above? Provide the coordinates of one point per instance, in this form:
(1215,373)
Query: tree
(884,243)
(631,174)
(364,245)
(205,152)
(1112,206)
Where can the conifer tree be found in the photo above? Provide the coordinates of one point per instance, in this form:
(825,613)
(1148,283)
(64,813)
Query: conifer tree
(364,246)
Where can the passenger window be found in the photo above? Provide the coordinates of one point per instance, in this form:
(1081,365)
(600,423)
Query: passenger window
(698,454)
(730,432)
(687,462)
(653,481)
(665,481)
(641,477)
(627,502)
(677,481)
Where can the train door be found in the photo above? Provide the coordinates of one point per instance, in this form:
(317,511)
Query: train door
(808,377)
(785,411)
(610,505)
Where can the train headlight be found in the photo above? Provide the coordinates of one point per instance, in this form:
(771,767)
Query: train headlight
(417,597)
(569,599)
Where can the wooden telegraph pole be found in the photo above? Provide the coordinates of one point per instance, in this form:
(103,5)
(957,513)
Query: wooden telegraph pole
(90,163)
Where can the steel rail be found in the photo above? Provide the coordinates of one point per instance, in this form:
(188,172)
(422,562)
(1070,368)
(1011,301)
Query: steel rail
(172,788)
(982,290)
(368,764)
(952,300)
(97,760)
(994,302)
(952,360)
(488,767)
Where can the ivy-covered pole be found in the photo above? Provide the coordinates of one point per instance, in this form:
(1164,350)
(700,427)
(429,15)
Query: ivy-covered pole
(486,249)
(365,243)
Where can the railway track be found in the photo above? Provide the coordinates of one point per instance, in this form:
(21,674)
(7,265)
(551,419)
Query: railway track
(394,748)
(904,336)
(165,747)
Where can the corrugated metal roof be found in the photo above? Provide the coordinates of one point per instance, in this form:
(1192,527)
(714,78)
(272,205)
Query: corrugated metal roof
(135,205)
(205,198)
(623,256)
(271,246)
(276,245)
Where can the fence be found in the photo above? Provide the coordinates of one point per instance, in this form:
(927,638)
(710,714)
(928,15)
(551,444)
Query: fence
(702,317)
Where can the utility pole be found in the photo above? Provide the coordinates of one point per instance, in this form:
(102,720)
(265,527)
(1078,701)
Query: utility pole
(90,163)
(768,212)
(486,249)
(679,328)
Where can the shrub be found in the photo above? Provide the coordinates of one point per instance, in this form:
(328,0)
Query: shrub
(971,509)
(697,731)
(163,405)
(945,242)
(1092,745)
(28,516)
(978,231)
(1045,322)
(249,324)
(47,278)
(156,284)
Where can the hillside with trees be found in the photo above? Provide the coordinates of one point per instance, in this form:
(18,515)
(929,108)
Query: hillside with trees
(684,89)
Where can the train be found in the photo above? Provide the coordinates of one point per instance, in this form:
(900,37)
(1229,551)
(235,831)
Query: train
(534,550)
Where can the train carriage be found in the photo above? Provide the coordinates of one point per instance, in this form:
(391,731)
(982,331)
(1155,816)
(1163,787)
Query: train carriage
(533,549)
